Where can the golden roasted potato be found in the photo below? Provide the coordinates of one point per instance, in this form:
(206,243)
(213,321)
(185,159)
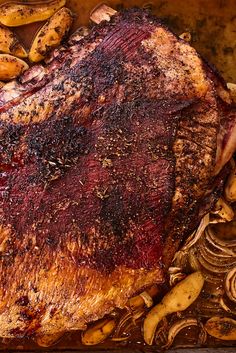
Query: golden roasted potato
(222,328)
(15,14)
(230,188)
(11,67)
(98,332)
(178,299)
(51,34)
(9,43)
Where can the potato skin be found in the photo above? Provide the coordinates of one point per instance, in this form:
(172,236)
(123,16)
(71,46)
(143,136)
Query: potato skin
(9,43)
(222,328)
(11,67)
(51,34)
(178,299)
(99,332)
(15,14)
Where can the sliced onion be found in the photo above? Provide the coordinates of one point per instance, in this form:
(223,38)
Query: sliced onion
(180,325)
(215,267)
(223,245)
(193,261)
(147,299)
(225,307)
(174,270)
(222,257)
(230,284)
(176,277)
(197,234)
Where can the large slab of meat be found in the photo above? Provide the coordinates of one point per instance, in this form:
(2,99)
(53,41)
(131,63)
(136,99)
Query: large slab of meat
(110,156)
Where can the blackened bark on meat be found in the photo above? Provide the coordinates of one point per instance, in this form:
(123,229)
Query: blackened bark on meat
(109,158)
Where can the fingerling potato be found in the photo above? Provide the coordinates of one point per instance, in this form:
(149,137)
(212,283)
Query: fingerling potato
(9,43)
(11,67)
(222,328)
(178,299)
(14,14)
(51,34)
(98,332)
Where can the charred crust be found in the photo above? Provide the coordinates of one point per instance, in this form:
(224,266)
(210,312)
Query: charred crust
(22,301)
(67,143)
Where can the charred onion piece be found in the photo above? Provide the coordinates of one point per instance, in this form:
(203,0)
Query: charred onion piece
(102,13)
(226,246)
(51,34)
(222,328)
(11,67)
(232,88)
(176,275)
(9,43)
(15,14)
(98,332)
(226,308)
(178,299)
(143,299)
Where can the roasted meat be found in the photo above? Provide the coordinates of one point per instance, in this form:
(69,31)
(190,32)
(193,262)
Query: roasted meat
(110,155)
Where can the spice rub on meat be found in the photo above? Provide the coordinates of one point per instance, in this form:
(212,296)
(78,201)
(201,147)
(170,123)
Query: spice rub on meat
(110,155)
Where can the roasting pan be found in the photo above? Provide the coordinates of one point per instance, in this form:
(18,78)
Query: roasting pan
(212,24)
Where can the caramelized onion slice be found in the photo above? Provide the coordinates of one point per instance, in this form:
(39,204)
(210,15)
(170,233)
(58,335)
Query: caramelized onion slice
(102,13)
(143,299)
(230,284)
(197,234)
(177,327)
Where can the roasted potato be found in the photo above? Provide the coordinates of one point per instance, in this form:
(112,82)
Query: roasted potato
(230,188)
(222,328)
(178,299)
(9,43)
(15,14)
(11,67)
(51,34)
(98,332)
